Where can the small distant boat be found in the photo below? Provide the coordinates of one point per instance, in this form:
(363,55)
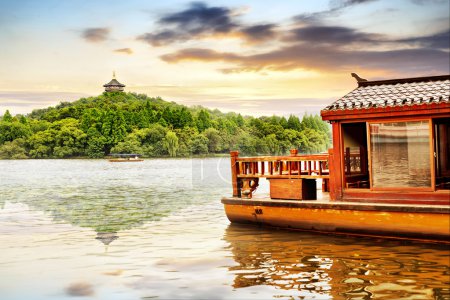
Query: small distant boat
(125,157)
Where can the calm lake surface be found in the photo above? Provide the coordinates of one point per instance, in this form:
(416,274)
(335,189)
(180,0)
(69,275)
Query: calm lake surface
(90,229)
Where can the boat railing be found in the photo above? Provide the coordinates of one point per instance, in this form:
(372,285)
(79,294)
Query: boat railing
(246,171)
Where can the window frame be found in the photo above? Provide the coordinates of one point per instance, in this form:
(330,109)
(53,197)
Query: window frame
(432,186)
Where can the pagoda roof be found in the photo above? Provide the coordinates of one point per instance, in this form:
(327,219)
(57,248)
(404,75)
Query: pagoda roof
(114,82)
(393,94)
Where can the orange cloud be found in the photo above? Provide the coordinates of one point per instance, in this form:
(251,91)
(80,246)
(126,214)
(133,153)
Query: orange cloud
(128,51)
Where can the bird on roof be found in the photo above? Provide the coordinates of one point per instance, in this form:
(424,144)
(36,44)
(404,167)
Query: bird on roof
(358,79)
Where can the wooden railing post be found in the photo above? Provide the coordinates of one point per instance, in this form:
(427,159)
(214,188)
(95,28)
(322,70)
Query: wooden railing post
(234,172)
(293,152)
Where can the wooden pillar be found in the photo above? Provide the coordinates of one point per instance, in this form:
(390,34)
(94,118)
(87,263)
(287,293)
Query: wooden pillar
(336,165)
(348,166)
(234,172)
(331,172)
(363,160)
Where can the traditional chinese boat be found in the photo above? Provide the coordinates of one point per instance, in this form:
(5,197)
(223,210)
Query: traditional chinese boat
(388,173)
(125,157)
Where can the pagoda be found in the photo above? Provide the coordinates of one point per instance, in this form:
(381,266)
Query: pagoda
(114,85)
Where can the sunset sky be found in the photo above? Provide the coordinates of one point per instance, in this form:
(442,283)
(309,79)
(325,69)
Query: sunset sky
(253,57)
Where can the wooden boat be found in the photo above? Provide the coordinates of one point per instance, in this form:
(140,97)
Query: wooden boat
(120,157)
(387,174)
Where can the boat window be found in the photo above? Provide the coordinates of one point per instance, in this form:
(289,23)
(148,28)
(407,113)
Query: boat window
(400,154)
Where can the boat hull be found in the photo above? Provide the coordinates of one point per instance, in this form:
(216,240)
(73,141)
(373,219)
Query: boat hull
(412,221)
(125,160)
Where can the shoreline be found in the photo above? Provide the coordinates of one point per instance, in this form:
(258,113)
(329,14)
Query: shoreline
(218,155)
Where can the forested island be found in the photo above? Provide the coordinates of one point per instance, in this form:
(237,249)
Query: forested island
(118,122)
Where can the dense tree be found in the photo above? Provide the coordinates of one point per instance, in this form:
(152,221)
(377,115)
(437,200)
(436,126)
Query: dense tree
(96,143)
(131,144)
(294,123)
(9,131)
(171,143)
(273,144)
(203,120)
(7,117)
(214,140)
(199,144)
(135,123)
(13,150)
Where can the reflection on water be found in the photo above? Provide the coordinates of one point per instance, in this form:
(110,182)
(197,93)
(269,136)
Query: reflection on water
(311,265)
(167,237)
(108,199)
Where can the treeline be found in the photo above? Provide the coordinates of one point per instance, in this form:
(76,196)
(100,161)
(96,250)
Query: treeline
(135,123)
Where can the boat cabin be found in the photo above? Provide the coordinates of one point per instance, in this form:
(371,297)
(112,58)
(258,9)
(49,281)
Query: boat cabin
(388,173)
(391,142)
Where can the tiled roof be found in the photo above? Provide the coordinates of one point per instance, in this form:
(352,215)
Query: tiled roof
(114,82)
(397,92)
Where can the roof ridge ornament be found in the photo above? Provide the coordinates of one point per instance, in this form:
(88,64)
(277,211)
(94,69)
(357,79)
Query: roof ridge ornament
(358,79)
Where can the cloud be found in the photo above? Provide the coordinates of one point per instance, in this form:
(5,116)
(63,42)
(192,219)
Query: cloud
(427,2)
(343,36)
(335,35)
(257,33)
(197,20)
(199,17)
(255,105)
(163,37)
(440,40)
(95,35)
(199,54)
(308,44)
(201,21)
(23,102)
(313,46)
(336,8)
(347,3)
(128,51)
(321,58)
(265,107)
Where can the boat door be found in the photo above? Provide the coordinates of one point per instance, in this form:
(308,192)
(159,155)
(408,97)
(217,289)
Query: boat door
(442,152)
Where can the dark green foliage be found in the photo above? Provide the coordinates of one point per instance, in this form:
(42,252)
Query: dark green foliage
(13,150)
(203,120)
(135,123)
(199,144)
(9,131)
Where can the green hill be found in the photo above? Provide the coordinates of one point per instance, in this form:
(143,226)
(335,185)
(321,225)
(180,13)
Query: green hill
(135,123)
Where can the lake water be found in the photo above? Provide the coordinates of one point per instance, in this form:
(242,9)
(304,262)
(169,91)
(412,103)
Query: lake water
(90,229)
